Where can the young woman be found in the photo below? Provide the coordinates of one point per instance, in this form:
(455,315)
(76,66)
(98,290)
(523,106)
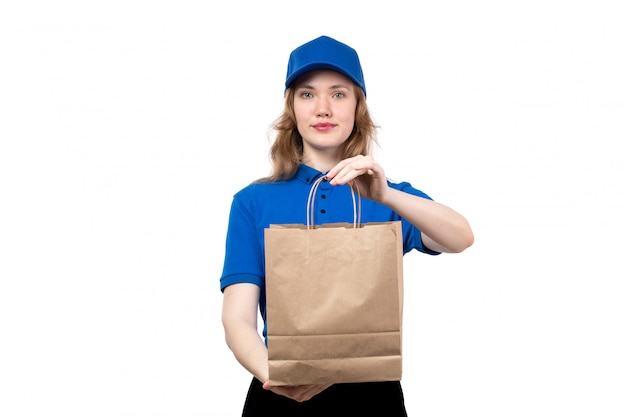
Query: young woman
(325,130)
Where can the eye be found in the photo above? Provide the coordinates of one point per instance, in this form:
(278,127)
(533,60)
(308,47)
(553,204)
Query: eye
(339,95)
(306,94)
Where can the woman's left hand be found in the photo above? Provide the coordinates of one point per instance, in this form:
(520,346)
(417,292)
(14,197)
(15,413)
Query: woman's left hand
(362,172)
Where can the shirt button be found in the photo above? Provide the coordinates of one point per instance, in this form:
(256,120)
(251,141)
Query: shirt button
(323,195)
(323,211)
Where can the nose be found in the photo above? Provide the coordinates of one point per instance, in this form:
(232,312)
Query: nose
(323,108)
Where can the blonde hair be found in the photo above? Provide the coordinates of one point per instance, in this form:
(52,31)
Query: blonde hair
(286,149)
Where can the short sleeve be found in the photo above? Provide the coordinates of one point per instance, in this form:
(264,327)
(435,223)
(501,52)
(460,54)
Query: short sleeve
(243,260)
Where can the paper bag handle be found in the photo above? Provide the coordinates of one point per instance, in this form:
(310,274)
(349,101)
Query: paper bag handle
(356,208)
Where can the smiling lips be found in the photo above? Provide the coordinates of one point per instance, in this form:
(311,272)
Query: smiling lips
(323,126)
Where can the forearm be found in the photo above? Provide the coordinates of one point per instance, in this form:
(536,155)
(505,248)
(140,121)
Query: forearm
(448,230)
(247,347)
(239,318)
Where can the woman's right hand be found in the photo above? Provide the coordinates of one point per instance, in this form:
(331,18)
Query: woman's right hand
(298,393)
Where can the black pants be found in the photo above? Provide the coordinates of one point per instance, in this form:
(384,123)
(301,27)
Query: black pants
(383,399)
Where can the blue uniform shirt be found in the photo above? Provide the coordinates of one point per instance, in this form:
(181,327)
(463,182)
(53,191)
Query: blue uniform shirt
(258,205)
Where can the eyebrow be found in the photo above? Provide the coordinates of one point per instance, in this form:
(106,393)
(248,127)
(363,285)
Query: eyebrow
(332,87)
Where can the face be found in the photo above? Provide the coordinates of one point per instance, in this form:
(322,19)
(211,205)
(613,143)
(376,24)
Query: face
(325,105)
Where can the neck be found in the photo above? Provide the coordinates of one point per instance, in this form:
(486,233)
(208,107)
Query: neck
(321,161)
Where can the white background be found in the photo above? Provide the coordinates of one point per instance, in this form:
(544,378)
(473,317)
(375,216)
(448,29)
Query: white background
(127,126)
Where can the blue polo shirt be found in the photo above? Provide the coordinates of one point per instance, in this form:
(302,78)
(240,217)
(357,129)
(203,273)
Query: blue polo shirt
(258,205)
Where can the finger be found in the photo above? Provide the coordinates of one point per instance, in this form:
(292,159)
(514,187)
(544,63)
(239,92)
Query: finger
(343,164)
(313,390)
(348,174)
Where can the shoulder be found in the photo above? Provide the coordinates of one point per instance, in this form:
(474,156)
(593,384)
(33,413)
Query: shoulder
(259,195)
(259,189)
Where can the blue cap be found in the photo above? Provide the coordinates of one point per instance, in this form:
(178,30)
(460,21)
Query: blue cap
(325,53)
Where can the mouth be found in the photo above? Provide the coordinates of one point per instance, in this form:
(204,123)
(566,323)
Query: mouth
(323,126)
